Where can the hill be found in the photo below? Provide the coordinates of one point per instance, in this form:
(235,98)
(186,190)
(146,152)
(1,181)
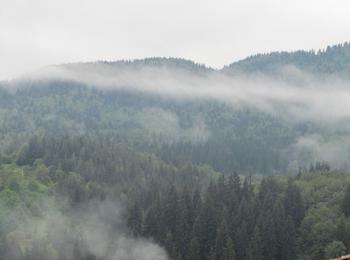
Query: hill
(333,59)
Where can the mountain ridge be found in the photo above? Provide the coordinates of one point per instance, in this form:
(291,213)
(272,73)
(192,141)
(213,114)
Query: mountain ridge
(334,59)
(275,57)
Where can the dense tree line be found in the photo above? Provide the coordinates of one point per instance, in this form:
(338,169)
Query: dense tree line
(230,220)
(193,212)
(59,178)
(306,217)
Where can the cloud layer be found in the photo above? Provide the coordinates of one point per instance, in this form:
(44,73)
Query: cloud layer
(305,98)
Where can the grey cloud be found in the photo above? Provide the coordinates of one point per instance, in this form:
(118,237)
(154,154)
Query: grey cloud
(307,97)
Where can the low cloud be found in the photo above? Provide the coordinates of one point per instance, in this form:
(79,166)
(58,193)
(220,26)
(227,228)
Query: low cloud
(311,148)
(165,124)
(97,229)
(296,95)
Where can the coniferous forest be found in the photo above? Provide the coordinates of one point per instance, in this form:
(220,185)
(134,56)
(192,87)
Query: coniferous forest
(167,159)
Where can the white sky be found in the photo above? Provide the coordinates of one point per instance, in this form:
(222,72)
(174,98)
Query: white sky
(35,33)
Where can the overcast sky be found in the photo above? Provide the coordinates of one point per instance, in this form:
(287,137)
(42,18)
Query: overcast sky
(36,33)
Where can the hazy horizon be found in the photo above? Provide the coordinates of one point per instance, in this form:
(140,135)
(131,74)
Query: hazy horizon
(40,33)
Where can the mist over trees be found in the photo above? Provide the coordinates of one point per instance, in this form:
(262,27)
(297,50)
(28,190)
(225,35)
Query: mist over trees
(248,124)
(164,158)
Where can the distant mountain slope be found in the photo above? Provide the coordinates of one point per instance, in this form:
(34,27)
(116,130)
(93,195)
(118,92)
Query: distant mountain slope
(186,112)
(162,62)
(334,59)
(175,64)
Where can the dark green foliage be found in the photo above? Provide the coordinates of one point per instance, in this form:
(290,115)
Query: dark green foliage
(220,230)
(333,59)
(334,249)
(201,132)
(271,223)
(346,202)
(193,212)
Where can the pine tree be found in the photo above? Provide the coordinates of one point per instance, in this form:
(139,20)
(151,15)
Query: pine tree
(255,250)
(183,226)
(221,238)
(268,235)
(135,220)
(287,240)
(194,251)
(346,202)
(241,240)
(229,250)
(293,202)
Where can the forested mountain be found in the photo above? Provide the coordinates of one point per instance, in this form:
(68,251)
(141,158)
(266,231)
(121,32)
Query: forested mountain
(73,197)
(333,59)
(206,132)
(180,110)
(163,158)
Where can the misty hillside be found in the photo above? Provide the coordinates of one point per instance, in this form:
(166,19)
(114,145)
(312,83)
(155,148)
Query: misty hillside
(180,110)
(174,130)
(164,158)
(174,64)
